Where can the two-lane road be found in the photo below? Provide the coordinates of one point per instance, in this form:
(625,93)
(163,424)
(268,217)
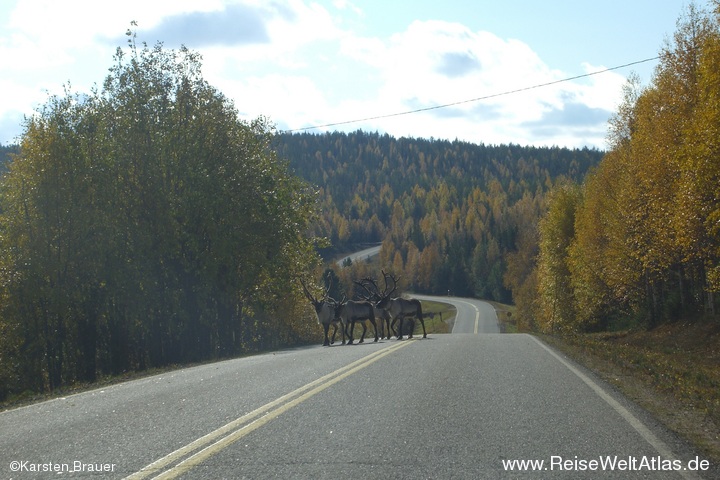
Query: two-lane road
(451,406)
(473,316)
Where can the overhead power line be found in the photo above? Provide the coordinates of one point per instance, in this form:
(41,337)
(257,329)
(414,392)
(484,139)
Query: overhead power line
(471,100)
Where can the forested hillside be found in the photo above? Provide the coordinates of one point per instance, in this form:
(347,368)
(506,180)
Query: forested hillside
(5,152)
(447,213)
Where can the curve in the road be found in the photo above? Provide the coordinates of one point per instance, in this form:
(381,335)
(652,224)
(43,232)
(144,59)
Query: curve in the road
(473,316)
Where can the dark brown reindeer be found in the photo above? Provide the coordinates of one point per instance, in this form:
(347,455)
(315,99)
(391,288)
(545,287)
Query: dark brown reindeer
(350,312)
(382,317)
(399,307)
(325,311)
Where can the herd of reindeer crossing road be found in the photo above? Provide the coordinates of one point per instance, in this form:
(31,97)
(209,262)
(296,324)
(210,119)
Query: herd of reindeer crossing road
(376,305)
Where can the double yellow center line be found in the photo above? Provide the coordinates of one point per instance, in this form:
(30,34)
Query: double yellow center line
(192,454)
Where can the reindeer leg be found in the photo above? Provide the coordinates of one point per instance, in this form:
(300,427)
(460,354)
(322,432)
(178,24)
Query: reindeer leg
(362,338)
(412,328)
(326,327)
(374,324)
(392,327)
(346,331)
(400,330)
(419,315)
(352,329)
(332,340)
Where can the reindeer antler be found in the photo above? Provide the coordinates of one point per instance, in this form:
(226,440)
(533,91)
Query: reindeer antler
(330,280)
(364,284)
(384,296)
(392,277)
(307,293)
(326,293)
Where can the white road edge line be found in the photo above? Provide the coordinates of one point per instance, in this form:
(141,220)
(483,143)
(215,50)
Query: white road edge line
(477,314)
(661,447)
(477,319)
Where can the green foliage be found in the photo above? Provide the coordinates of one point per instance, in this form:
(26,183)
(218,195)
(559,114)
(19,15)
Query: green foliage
(6,152)
(557,229)
(144,225)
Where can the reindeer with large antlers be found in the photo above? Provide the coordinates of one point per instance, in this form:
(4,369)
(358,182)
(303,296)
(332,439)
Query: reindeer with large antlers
(382,317)
(350,312)
(399,307)
(325,311)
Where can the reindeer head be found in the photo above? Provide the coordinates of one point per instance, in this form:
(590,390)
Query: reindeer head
(387,292)
(338,306)
(319,304)
(373,294)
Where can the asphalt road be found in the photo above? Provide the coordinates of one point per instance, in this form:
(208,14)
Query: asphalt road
(362,255)
(449,406)
(473,316)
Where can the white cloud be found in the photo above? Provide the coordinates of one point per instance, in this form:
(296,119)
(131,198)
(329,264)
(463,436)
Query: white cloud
(292,99)
(304,67)
(303,24)
(75,23)
(25,54)
(346,5)
(438,63)
(602,90)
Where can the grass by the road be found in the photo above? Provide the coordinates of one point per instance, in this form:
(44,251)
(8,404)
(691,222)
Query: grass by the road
(439,318)
(672,371)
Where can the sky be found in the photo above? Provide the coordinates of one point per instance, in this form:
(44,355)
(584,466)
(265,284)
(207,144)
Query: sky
(496,69)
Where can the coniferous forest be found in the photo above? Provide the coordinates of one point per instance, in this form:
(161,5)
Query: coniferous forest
(447,213)
(143,225)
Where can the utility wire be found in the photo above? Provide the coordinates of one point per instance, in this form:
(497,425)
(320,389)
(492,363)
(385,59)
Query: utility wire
(509,92)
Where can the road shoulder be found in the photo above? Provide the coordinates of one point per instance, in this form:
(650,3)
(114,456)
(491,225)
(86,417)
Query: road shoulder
(686,420)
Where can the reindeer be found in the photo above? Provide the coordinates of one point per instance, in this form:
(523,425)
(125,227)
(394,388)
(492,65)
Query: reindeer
(380,313)
(384,321)
(353,311)
(398,308)
(325,311)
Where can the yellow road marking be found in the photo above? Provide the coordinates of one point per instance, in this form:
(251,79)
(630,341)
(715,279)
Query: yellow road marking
(242,426)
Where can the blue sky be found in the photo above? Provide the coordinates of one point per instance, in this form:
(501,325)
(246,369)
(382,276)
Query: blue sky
(305,63)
